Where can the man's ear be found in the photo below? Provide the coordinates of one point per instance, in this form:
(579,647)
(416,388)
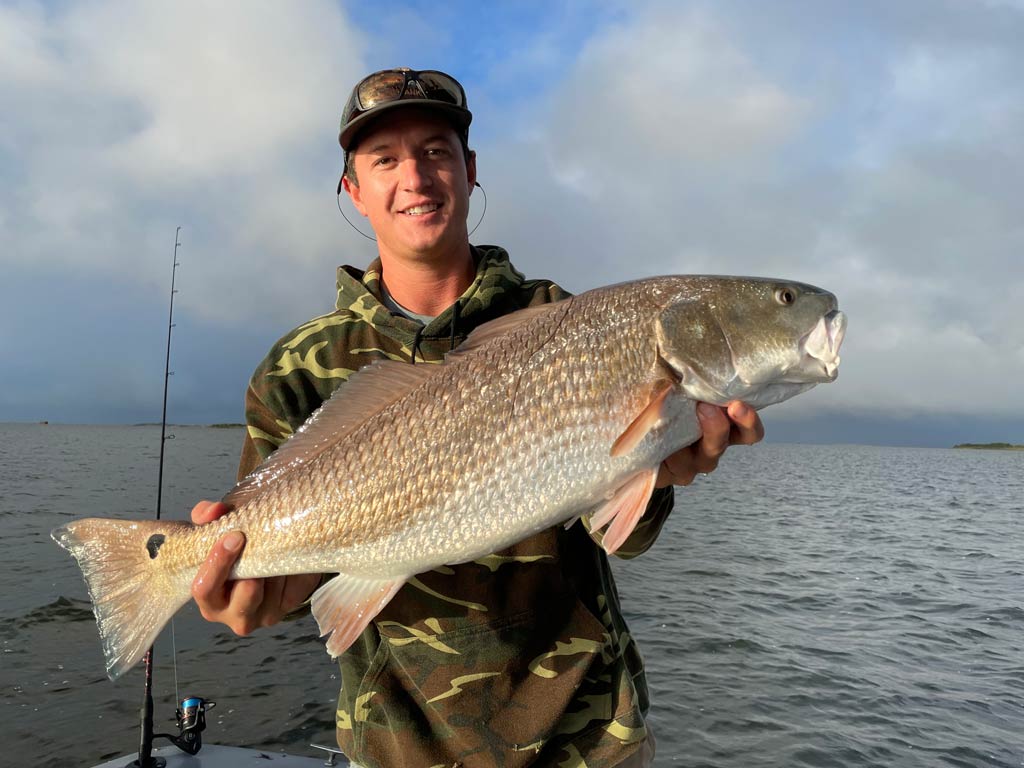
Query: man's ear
(471,170)
(354,194)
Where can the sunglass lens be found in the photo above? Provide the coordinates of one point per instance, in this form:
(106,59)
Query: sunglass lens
(380,89)
(439,87)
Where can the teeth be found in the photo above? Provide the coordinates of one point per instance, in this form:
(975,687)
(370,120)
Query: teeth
(419,210)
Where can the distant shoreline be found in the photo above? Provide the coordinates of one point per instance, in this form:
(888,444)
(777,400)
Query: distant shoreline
(208,426)
(990,446)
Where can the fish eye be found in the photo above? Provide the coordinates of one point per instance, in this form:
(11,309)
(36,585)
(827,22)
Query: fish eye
(785,296)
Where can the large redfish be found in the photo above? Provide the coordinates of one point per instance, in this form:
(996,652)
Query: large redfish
(551,413)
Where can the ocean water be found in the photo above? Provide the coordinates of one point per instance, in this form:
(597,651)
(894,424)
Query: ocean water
(804,606)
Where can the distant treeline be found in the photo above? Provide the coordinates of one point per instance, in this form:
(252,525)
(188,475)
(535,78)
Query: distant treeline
(992,446)
(212,426)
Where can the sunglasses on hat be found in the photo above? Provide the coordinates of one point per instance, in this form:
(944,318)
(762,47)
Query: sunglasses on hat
(395,84)
(384,89)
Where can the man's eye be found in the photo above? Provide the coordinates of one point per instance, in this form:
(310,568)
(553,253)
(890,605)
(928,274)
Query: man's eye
(383,161)
(437,152)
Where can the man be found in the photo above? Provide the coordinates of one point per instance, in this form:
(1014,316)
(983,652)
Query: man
(522,658)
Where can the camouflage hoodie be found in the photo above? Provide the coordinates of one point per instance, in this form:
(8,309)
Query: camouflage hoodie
(519,658)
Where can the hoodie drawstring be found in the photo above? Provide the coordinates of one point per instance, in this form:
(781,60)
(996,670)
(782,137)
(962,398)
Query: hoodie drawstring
(455,322)
(418,338)
(416,343)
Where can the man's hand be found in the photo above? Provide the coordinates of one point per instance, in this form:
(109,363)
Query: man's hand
(245,604)
(736,424)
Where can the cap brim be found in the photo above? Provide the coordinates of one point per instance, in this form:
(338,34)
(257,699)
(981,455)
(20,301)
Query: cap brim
(460,117)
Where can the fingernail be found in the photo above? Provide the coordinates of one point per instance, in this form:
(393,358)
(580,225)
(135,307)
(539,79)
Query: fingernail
(233,541)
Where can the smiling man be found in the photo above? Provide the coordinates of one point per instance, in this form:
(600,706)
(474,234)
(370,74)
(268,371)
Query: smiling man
(521,658)
(412,179)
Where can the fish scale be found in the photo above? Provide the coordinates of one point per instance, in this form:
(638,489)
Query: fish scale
(542,416)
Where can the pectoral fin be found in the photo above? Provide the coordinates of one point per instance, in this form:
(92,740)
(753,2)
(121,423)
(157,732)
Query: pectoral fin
(642,424)
(345,605)
(624,509)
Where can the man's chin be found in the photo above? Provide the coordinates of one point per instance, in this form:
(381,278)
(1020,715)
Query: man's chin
(425,251)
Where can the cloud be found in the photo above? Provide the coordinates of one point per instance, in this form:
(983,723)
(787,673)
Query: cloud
(133,118)
(23,55)
(672,93)
(869,148)
(682,142)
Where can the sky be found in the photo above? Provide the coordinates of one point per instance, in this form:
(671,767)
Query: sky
(874,149)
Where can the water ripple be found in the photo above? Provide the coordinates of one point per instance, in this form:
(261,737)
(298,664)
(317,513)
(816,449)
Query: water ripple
(873,622)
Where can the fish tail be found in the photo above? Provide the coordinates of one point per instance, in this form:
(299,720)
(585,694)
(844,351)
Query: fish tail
(133,591)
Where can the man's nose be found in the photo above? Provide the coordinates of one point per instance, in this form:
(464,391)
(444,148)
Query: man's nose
(415,173)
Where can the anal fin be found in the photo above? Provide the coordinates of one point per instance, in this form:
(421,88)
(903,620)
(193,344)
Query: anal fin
(345,605)
(623,510)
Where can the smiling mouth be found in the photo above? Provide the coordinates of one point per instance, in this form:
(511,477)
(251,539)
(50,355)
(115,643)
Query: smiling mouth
(421,210)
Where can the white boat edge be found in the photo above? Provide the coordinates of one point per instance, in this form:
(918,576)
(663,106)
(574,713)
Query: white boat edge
(216,756)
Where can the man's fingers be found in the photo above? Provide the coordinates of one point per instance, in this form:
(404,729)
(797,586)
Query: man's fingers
(665,477)
(269,609)
(208,511)
(208,587)
(738,424)
(715,425)
(243,605)
(746,428)
(247,596)
(297,589)
(677,469)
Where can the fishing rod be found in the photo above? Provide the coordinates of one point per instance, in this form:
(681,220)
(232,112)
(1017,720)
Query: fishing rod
(191,714)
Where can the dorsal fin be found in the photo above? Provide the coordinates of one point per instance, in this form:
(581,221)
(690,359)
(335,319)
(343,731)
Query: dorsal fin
(506,324)
(367,392)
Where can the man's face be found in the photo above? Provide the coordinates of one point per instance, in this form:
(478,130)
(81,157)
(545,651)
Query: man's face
(414,185)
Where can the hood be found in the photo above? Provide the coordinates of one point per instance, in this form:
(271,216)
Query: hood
(493,292)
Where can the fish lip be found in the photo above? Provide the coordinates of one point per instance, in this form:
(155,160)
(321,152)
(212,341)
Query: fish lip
(818,350)
(820,347)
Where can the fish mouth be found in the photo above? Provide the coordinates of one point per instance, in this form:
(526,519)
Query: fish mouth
(821,346)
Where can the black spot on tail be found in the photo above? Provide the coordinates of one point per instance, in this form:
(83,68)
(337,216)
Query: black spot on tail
(153,545)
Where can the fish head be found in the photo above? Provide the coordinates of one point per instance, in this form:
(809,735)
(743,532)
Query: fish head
(752,339)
